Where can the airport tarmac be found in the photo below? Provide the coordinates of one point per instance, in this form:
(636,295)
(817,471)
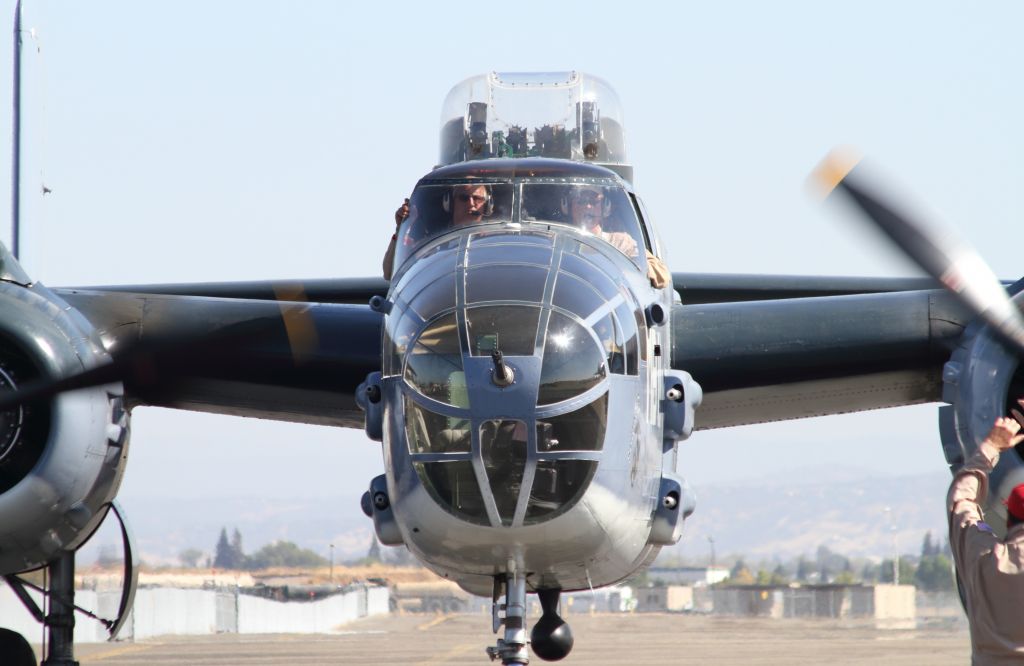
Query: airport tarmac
(601,640)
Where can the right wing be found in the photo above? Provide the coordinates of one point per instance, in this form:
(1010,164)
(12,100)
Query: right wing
(283,360)
(353,291)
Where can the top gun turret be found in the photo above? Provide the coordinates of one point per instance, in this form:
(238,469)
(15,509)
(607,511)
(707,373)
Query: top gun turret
(567,115)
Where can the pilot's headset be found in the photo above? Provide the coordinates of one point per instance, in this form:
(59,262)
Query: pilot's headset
(446,200)
(577,191)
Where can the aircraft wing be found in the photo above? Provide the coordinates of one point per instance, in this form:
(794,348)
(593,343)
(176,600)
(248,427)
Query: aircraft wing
(773,360)
(764,348)
(696,288)
(692,287)
(355,291)
(283,360)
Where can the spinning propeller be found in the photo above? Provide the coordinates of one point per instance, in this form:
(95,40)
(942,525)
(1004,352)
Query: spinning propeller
(951,261)
(170,358)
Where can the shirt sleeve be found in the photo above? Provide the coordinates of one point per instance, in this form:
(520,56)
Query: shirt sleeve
(389,257)
(969,536)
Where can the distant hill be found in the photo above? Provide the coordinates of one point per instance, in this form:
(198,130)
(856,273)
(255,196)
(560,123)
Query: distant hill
(782,516)
(164,527)
(844,509)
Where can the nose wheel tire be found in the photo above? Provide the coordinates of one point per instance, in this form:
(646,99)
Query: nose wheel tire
(15,649)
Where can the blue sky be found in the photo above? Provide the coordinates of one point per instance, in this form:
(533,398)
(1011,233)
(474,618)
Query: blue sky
(193,141)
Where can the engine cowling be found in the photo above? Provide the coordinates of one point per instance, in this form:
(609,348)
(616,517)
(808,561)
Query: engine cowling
(981,381)
(61,461)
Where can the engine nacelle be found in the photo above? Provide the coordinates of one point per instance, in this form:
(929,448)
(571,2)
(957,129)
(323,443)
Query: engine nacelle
(61,461)
(979,382)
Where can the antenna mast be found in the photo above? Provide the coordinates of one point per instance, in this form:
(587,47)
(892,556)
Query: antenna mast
(16,139)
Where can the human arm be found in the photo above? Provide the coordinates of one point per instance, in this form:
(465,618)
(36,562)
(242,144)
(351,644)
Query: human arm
(621,241)
(969,536)
(389,255)
(657,272)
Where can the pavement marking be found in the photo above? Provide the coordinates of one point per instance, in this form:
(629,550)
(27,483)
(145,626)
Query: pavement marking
(447,656)
(433,623)
(117,652)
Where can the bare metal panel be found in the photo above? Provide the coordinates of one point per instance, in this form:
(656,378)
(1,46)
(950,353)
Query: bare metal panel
(798,400)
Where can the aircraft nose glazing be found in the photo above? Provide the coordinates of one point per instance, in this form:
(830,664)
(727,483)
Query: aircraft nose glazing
(521,453)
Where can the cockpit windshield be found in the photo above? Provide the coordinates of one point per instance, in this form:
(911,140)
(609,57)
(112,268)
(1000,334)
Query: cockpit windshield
(435,209)
(605,212)
(601,209)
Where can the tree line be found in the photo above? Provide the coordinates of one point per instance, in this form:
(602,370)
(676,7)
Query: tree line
(229,554)
(931,570)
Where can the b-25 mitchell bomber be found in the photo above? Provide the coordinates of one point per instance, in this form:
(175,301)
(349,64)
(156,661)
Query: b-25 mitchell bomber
(527,373)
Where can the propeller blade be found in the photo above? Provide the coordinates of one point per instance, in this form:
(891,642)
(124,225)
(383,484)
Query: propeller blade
(45,389)
(951,261)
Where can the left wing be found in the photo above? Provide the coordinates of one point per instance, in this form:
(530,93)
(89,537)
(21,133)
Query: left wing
(774,360)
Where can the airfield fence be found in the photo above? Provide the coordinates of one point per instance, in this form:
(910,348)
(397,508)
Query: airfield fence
(882,602)
(160,611)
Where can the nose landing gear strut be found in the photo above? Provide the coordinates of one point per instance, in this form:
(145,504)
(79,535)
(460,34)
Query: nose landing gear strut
(512,648)
(551,637)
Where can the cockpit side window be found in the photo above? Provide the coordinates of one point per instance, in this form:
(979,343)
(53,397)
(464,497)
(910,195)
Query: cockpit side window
(639,210)
(605,211)
(434,209)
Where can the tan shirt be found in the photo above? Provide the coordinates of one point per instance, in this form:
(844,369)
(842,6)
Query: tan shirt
(991,569)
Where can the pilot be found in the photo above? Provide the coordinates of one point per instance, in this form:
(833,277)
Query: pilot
(589,207)
(991,569)
(467,204)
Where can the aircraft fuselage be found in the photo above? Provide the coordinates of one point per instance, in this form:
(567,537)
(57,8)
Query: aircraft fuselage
(559,468)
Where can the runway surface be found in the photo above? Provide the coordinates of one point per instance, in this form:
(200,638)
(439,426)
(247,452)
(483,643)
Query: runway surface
(600,640)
